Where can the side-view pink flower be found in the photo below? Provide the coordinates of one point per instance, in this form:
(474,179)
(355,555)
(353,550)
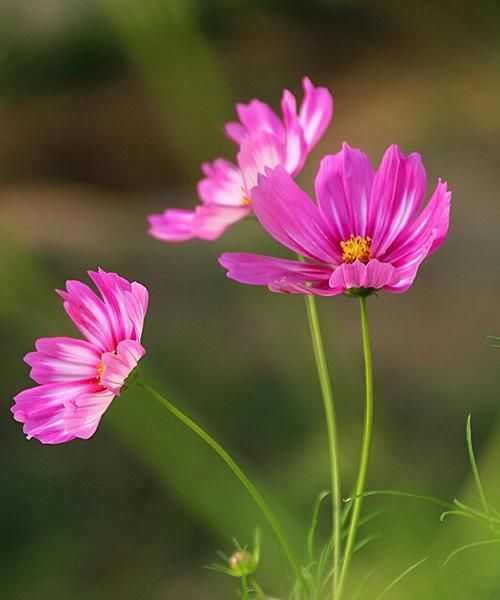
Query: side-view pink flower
(365,233)
(264,140)
(77,379)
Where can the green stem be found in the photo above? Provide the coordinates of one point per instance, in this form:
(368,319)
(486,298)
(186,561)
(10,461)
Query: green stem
(331,424)
(257,588)
(244,588)
(365,452)
(250,487)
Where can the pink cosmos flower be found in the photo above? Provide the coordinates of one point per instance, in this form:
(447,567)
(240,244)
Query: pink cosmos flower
(77,379)
(265,140)
(365,233)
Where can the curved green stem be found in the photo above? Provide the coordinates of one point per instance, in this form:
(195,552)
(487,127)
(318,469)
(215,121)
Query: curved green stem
(257,588)
(365,451)
(230,462)
(331,424)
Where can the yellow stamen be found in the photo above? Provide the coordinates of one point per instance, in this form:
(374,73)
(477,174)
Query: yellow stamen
(100,371)
(245,201)
(356,248)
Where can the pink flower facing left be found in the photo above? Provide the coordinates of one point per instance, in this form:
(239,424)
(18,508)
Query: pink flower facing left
(367,231)
(77,379)
(264,140)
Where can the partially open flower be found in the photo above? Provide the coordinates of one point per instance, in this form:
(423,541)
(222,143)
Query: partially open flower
(264,140)
(77,378)
(367,231)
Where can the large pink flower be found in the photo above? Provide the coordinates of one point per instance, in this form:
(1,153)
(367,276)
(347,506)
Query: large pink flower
(265,140)
(365,233)
(77,378)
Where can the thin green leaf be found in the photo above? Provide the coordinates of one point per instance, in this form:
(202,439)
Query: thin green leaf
(467,547)
(437,501)
(475,470)
(257,539)
(357,548)
(461,513)
(359,592)
(394,582)
(345,511)
(314,523)
(364,542)
(220,569)
(494,511)
(469,509)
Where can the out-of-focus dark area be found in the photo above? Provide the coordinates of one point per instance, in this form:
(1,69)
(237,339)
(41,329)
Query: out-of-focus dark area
(107,108)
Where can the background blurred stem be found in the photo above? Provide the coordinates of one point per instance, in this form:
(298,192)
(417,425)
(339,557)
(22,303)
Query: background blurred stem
(365,452)
(252,490)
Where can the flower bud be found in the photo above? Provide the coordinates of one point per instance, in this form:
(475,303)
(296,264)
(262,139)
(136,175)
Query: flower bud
(242,563)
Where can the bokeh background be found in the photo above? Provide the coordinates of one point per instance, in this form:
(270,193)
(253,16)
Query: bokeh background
(107,108)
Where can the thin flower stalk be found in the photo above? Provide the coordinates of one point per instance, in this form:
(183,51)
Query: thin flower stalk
(238,472)
(331,424)
(365,452)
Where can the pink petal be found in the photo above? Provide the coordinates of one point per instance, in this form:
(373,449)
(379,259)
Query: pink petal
(397,194)
(104,322)
(426,235)
(88,312)
(63,359)
(235,131)
(83,414)
(296,146)
(433,222)
(408,268)
(374,275)
(118,365)
(136,302)
(256,269)
(117,295)
(210,222)
(343,186)
(315,112)
(257,116)
(289,215)
(174,225)
(257,152)
(43,410)
(222,185)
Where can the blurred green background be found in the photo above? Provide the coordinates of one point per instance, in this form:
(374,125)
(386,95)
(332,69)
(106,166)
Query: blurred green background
(107,108)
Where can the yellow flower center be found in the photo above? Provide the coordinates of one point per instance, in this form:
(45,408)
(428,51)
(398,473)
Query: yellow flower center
(100,371)
(356,248)
(245,201)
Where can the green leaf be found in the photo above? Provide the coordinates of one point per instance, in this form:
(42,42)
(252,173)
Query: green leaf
(394,582)
(359,592)
(475,470)
(432,499)
(467,547)
(314,523)
(364,542)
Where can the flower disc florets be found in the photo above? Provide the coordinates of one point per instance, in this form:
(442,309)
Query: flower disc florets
(356,248)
